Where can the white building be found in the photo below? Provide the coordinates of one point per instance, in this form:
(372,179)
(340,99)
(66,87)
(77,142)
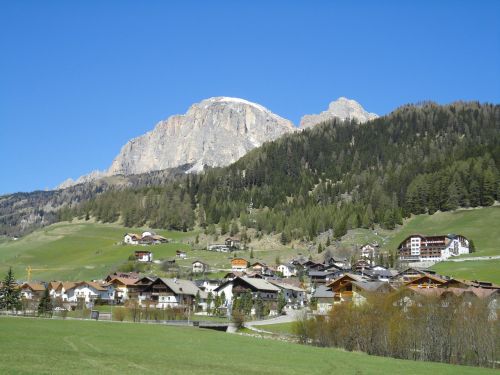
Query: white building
(143,256)
(131,238)
(287,270)
(418,248)
(294,296)
(199,267)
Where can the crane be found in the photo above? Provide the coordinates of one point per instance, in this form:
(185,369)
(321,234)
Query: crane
(29,271)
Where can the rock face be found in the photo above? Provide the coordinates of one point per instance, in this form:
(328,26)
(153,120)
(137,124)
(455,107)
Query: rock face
(92,176)
(341,108)
(214,132)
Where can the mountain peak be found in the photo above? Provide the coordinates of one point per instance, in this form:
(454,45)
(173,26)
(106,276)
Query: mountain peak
(343,109)
(215,132)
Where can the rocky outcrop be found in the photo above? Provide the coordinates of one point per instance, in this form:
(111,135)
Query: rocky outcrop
(343,109)
(215,132)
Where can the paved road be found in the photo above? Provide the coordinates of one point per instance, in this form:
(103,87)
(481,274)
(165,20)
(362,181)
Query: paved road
(473,258)
(291,316)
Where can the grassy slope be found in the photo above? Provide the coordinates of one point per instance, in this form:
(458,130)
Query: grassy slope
(83,250)
(48,346)
(74,251)
(480,225)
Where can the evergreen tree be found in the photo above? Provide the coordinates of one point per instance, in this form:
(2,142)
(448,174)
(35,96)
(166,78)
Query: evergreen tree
(281,301)
(320,248)
(472,246)
(10,294)
(45,305)
(235,229)
(488,191)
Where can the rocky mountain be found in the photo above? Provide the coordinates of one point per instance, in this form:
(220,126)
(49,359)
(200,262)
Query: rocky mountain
(214,132)
(341,108)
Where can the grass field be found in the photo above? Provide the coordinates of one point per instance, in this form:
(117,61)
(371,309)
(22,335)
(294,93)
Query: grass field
(77,251)
(34,346)
(484,270)
(281,328)
(481,225)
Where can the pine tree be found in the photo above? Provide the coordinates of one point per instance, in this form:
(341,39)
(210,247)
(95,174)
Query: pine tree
(10,294)
(320,248)
(45,304)
(281,301)
(488,191)
(472,247)
(235,229)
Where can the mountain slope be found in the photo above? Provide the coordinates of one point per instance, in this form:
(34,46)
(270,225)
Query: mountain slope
(214,132)
(337,175)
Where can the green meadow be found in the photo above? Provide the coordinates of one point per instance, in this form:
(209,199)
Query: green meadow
(480,224)
(78,250)
(37,346)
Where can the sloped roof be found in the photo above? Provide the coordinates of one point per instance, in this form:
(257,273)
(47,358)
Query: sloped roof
(36,287)
(283,285)
(323,292)
(54,285)
(179,286)
(370,286)
(260,284)
(123,280)
(427,275)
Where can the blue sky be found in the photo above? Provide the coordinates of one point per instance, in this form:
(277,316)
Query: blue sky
(80,78)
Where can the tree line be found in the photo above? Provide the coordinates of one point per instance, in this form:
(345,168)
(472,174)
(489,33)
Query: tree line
(452,330)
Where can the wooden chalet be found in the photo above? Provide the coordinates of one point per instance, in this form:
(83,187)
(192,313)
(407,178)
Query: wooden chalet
(173,292)
(427,281)
(32,291)
(361,265)
(239,264)
(259,288)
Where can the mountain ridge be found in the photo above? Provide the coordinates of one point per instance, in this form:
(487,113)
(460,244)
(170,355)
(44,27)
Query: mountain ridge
(214,132)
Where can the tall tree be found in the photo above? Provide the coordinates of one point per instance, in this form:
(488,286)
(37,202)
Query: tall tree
(10,294)
(45,304)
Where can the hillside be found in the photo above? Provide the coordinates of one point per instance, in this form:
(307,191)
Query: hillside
(21,213)
(480,225)
(86,250)
(76,251)
(337,175)
(34,345)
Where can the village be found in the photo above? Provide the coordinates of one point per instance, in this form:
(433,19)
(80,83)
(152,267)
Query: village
(273,290)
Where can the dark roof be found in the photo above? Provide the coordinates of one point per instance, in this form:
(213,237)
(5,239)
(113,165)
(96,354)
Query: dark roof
(370,286)
(321,273)
(323,292)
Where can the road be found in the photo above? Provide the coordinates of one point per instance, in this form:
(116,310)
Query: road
(473,258)
(291,316)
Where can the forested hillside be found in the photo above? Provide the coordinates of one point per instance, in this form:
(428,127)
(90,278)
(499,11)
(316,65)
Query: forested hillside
(340,175)
(21,213)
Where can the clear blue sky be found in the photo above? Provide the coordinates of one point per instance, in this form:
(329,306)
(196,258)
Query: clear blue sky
(80,78)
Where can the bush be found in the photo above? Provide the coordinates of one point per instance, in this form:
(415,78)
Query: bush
(238,318)
(120,314)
